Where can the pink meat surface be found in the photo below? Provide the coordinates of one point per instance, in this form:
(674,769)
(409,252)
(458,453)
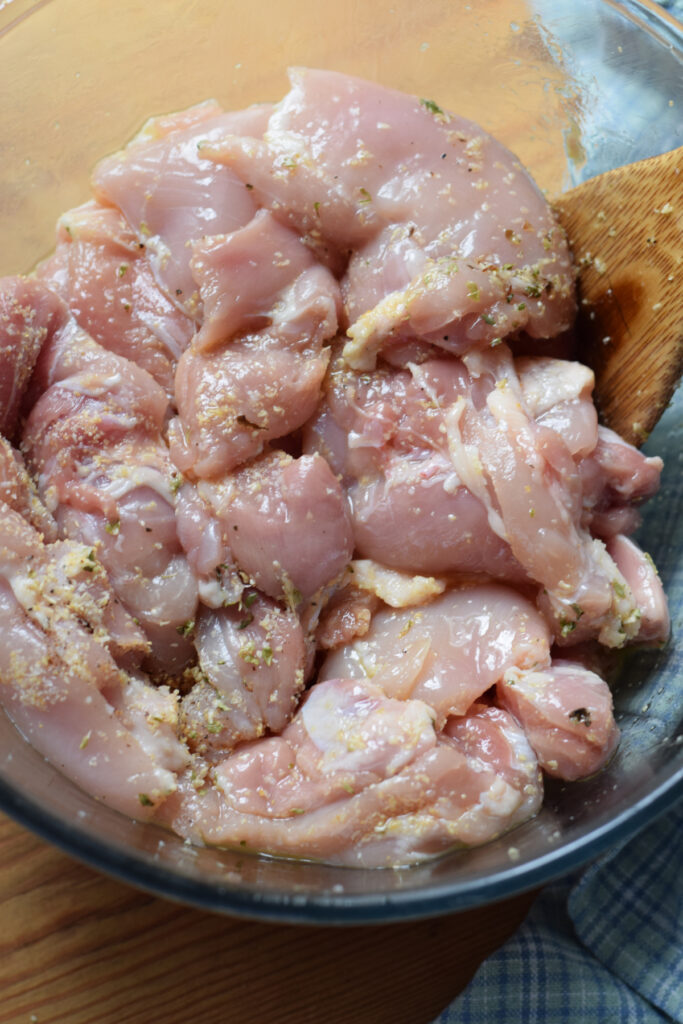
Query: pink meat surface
(93,440)
(616,478)
(171,195)
(298,534)
(28,313)
(59,678)
(451,239)
(525,476)
(360,779)
(255,369)
(639,571)
(252,658)
(449,652)
(566,714)
(104,275)
(286,524)
(383,434)
(19,492)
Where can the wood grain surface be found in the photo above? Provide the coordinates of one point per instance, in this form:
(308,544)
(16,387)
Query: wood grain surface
(625,229)
(79,948)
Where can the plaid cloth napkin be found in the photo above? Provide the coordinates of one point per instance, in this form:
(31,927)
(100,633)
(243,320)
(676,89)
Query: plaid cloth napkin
(605,945)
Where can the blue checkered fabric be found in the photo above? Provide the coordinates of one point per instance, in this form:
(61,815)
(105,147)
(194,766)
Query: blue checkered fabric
(603,946)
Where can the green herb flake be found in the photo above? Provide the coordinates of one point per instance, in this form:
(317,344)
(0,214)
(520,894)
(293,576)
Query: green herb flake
(521,306)
(175,483)
(473,290)
(113,527)
(348,787)
(145,800)
(533,291)
(267,654)
(249,599)
(122,269)
(432,107)
(618,588)
(578,611)
(214,727)
(365,196)
(186,628)
(247,652)
(316,207)
(297,810)
(246,621)
(566,627)
(292,596)
(85,741)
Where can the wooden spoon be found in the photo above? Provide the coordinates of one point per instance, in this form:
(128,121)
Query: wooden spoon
(625,229)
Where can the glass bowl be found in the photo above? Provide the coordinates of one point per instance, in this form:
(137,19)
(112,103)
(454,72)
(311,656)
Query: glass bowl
(574,87)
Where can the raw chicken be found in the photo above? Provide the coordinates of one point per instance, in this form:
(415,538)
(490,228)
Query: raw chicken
(385,437)
(297,592)
(362,779)
(449,652)
(251,658)
(28,313)
(286,523)
(171,195)
(450,238)
(255,369)
(638,569)
(60,680)
(18,490)
(566,714)
(104,275)
(615,479)
(559,396)
(94,441)
(525,476)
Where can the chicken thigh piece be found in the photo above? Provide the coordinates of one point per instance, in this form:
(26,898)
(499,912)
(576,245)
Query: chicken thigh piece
(566,713)
(449,652)
(450,239)
(285,522)
(63,642)
(105,276)
(93,440)
(171,195)
(29,312)
(255,369)
(252,658)
(360,779)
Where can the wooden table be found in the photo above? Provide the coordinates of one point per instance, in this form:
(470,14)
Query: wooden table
(80,948)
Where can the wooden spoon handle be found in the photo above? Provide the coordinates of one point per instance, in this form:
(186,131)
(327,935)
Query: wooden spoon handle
(625,228)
